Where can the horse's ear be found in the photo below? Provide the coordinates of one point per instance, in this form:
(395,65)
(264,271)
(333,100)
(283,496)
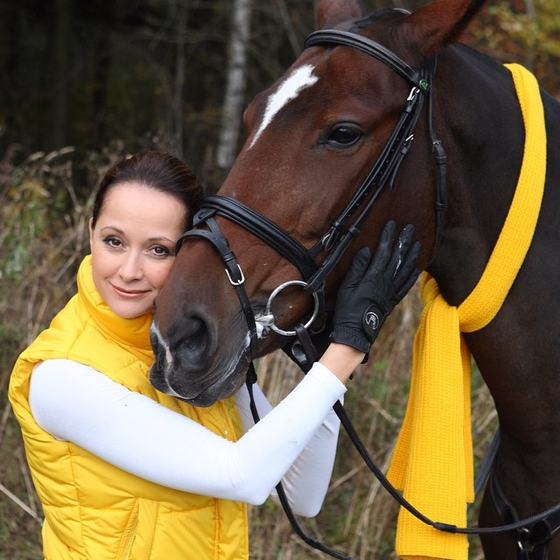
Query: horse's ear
(439,23)
(332,12)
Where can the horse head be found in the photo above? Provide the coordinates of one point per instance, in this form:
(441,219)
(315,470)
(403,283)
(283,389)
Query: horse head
(312,139)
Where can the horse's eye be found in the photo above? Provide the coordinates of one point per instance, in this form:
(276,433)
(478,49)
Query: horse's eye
(344,136)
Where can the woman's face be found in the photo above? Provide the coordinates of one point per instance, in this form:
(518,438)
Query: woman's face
(132,246)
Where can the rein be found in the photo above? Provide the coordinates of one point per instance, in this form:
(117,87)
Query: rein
(535,530)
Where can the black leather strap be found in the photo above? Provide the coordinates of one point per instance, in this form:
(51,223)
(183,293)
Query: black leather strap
(349,39)
(532,539)
(266,230)
(233,270)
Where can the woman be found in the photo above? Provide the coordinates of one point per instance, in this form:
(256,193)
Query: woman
(124,471)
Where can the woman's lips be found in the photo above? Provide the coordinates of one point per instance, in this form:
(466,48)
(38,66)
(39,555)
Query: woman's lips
(132,294)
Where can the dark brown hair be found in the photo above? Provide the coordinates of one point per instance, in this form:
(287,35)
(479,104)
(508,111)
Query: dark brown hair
(156,170)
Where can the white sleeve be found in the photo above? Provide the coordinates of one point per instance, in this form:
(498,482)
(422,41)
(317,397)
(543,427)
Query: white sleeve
(307,481)
(76,403)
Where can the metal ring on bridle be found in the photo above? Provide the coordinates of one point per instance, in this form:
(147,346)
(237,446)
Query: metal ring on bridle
(276,291)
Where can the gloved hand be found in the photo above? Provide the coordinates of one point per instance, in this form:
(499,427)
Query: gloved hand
(373,286)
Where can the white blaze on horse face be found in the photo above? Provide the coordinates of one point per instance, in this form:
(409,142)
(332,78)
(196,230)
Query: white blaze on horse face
(300,79)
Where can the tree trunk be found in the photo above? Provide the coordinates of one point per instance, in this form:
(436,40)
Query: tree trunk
(237,68)
(61,61)
(176,113)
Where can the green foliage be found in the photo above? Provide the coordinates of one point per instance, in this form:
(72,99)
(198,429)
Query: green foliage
(524,31)
(536,25)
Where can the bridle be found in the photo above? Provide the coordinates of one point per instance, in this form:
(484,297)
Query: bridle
(346,226)
(343,230)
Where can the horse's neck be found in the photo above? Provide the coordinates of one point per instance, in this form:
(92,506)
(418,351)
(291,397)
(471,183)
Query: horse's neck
(481,128)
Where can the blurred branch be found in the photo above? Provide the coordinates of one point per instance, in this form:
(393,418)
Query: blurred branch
(20,504)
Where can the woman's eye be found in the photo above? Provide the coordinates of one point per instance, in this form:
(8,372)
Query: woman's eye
(344,136)
(113,242)
(161,251)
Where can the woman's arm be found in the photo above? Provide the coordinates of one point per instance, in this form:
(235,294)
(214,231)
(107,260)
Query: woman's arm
(76,403)
(307,481)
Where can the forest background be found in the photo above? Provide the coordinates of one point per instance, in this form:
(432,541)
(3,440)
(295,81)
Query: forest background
(84,83)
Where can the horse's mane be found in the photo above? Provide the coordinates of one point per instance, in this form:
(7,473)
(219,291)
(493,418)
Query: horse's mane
(479,56)
(384,13)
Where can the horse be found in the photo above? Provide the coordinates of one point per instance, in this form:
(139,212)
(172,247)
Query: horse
(350,136)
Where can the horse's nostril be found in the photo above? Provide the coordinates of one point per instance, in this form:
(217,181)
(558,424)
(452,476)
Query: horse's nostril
(193,347)
(197,338)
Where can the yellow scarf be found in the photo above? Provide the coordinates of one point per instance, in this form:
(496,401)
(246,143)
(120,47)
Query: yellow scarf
(432,462)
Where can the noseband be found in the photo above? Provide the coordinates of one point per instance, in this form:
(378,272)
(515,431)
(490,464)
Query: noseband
(347,225)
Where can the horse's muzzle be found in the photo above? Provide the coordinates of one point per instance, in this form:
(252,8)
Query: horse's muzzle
(189,368)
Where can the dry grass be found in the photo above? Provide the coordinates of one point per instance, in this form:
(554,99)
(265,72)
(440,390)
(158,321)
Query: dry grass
(43,236)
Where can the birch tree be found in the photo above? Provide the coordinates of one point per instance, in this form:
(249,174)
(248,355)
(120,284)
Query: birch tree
(236,78)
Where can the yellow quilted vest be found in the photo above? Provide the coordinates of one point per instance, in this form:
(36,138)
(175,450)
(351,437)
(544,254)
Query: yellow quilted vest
(92,509)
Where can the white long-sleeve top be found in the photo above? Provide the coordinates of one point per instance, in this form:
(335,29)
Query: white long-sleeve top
(295,441)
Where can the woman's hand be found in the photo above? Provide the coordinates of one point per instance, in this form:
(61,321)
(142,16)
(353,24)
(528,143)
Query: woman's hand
(373,286)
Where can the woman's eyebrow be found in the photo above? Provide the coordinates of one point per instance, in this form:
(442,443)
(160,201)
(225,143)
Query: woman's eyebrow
(156,238)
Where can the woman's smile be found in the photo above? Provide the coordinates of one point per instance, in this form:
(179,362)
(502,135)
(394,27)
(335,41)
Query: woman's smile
(129,293)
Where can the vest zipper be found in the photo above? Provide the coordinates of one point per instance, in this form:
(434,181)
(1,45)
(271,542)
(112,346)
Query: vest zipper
(131,530)
(128,549)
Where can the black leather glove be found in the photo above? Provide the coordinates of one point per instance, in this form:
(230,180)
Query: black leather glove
(373,286)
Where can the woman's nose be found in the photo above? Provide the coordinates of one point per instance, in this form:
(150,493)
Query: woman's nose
(131,267)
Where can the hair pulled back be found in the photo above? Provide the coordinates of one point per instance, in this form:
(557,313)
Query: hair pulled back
(156,170)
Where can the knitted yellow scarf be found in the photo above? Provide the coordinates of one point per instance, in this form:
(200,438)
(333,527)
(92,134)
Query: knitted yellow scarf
(432,462)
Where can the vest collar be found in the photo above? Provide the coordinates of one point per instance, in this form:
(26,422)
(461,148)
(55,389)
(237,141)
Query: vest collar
(130,332)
